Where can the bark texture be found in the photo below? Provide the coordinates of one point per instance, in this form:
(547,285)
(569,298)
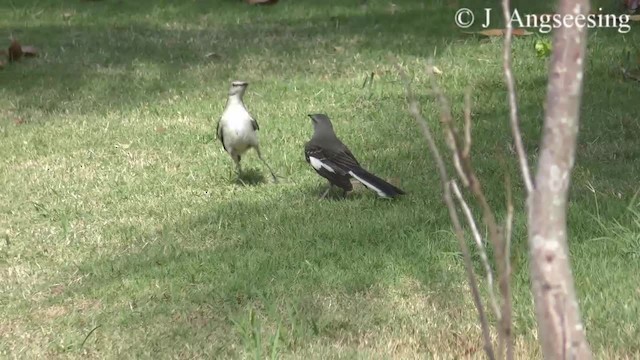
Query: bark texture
(560,329)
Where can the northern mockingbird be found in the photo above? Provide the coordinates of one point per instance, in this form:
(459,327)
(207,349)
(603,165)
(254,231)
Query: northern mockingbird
(237,129)
(334,161)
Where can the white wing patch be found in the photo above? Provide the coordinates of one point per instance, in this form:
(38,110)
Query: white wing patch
(317,164)
(369,185)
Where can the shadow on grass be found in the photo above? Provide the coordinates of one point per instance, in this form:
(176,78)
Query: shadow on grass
(269,254)
(290,251)
(250,177)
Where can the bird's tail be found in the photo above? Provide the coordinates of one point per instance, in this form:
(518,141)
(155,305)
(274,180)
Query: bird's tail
(372,182)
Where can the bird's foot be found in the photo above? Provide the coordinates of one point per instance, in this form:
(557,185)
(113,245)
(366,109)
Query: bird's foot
(324,194)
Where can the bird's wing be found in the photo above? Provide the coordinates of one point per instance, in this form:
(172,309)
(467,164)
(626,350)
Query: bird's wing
(254,122)
(351,156)
(327,166)
(219,132)
(339,162)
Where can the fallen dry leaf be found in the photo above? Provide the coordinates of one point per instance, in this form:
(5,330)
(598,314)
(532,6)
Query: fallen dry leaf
(161,129)
(29,51)
(261,2)
(338,48)
(54,312)
(394,181)
(436,70)
(357,185)
(499,32)
(19,121)
(57,289)
(628,75)
(15,51)
(213,55)
(67,16)
(392,8)
(634,17)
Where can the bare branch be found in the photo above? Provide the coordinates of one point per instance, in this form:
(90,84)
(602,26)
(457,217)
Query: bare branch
(508,223)
(457,164)
(479,243)
(414,110)
(507,259)
(466,172)
(508,226)
(467,124)
(513,105)
(562,334)
(450,133)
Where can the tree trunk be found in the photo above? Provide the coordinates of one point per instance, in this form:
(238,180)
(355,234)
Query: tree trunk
(560,328)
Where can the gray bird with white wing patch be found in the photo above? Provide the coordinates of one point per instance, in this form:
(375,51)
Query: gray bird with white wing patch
(331,159)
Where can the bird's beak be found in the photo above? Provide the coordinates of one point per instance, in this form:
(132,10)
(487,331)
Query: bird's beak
(311,117)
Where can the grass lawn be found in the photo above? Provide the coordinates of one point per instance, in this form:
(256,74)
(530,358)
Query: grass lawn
(120,213)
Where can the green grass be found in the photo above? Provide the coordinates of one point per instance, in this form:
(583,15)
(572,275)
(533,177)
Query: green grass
(119,209)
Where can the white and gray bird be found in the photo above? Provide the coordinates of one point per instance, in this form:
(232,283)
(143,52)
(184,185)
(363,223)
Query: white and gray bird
(237,129)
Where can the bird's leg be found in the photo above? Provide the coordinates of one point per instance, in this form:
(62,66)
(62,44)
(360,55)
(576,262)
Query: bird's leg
(324,194)
(265,163)
(236,160)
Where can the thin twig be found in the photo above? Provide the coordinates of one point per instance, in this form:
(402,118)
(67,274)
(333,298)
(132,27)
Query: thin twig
(450,133)
(504,333)
(89,334)
(508,226)
(507,304)
(524,168)
(457,164)
(467,124)
(414,110)
(483,253)
(513,104)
